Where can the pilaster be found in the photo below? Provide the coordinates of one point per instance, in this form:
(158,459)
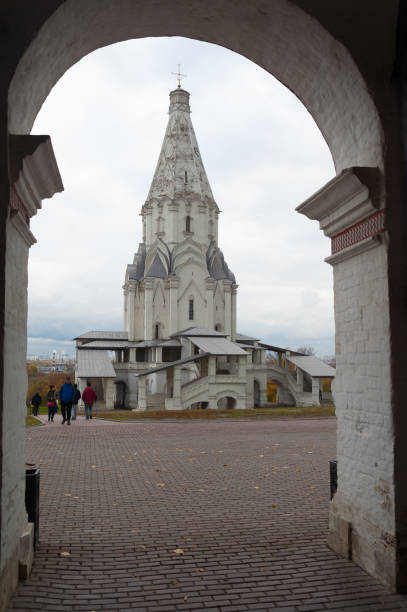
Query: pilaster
(210,285)
(234,312)
(148,308)
(362,512)
(131,291)
(173,322)
(227,288)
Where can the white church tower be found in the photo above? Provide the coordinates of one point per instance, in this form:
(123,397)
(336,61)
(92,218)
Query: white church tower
(179,278)
(179,348)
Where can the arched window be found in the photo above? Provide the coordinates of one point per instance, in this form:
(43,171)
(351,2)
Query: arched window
(157,331)
(191,309)
(187,223)
(186,177)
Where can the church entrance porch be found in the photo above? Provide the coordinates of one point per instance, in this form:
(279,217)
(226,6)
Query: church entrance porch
(130,494)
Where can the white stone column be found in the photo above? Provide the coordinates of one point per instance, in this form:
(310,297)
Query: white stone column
(177,388)
(173,322)
(148,308)
(227,287)
(211,368)
(159,354)
(210,285)
(234,313)
(315,391)
(142,393)
(242,366)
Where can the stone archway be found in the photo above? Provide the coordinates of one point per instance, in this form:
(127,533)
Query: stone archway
(300,52)
(226,402)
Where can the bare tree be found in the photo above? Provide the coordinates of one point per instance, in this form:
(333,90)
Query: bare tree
(306,350)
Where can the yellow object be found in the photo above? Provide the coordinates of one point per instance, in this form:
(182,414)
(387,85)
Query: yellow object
(271,392)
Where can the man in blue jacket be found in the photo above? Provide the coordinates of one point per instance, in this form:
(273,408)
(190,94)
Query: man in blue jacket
(66,395)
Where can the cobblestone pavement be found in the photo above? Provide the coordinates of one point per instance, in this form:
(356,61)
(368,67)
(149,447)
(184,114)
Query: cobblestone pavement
(163,516)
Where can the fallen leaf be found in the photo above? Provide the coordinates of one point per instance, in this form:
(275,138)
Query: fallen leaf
(298,469)
(160,484)
(201,490)
(179,551)
(257,487)
(273,506)
(93,466)
(200,569)
(187,539)
(261,455)
(67,495)
(174,581)
(65,554)
(310,452)
(186,597)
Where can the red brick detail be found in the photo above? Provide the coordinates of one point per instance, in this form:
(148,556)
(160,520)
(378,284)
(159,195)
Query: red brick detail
(371,226)
(17,203)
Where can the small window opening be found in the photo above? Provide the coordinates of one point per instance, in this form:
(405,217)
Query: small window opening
(188,223)
(157,332)
(186,177)
(191,310)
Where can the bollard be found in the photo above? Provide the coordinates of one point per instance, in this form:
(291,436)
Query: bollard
(32,500)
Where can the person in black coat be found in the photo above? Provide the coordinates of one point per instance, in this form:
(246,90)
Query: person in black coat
(36,402)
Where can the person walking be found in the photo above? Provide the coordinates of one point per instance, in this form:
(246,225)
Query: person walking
(36,401)
(76,398)
(51,401)
(89,397)
(66,395)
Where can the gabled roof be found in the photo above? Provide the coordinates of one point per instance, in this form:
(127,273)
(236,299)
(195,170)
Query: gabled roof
(103,335)
(94,364)
(216,345)
(198,331)
(244,338)
(170,364)
(312,366)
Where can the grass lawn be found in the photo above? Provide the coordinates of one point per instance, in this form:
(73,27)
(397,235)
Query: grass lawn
(31,421)
(296,412)
(42,410)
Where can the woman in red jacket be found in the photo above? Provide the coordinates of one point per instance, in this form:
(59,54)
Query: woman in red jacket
(89,397)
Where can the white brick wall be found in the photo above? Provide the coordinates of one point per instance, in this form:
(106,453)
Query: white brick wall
(365,496)
(13,515)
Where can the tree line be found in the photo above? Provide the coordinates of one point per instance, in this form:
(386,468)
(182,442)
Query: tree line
(38,382)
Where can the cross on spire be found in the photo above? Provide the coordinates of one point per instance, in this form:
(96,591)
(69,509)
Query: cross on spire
(179,75)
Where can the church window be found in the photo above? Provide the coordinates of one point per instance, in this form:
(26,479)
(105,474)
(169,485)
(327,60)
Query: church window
(186,177)
(191,310)
(187,223)
(157,331)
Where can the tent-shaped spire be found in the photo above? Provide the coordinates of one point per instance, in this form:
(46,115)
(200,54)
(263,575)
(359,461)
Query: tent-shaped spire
(180,170)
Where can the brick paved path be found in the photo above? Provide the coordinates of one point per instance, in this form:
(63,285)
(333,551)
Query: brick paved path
(247,501)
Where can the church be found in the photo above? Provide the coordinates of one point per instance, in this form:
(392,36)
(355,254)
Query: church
(180,348)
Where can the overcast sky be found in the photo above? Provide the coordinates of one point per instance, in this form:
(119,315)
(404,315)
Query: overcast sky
(263,154)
